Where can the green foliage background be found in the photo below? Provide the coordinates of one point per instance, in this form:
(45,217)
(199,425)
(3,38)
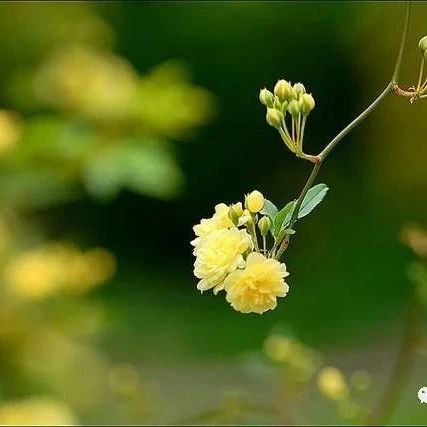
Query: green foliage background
(348,283)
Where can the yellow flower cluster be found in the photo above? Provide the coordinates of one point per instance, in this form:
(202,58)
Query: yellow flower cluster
(228,257)
(53,268)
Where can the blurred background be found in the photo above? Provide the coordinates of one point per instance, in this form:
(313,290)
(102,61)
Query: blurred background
(121,125)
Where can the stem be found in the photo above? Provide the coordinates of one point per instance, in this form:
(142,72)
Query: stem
(403,364)
(304,120)
(355,122)
(307,186)
(286,140)
(254,234)
(420,78)
(396,71)
(293,129)
(298,132)
(392,85)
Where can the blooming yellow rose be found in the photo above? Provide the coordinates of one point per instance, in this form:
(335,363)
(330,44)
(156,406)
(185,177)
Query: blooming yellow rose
(255,289)
(219,254)
(255,201)
(219,220)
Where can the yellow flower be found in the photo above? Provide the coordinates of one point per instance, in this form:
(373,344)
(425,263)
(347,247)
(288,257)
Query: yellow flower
(255,289)
(255,201)
(36,411)
(332,384)
(220,220)
(10,130)
(42,272)
(220,254)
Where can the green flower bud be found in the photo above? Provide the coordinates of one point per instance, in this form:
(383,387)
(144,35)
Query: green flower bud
(294,108)
(298,90)
(264,225)
(422,44)
(277,104)
(284,107)
(274,117)
(283,90)
(266,98)
(306,104)
(233,215)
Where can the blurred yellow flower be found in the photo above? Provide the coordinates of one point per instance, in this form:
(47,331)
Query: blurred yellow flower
(332,384)
(415,237)
(254,201)
(220,220)
(218,255)
(36,411)
(301,359)
(279,348)
(10,130)
(256,288)
(42,272)
(91,83)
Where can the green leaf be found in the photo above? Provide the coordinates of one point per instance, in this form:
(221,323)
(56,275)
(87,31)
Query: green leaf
(269,209)
(282,218)
(284,232)
(313,197)
(146,167)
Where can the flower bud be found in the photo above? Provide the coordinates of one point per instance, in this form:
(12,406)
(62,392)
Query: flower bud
(266,98)
(264,225)
(238,208)
(306,104)
(233,215)
(298,90)
(422,44)
(294,108)
(277,104)
(274,117)
(283,90)
(254,201)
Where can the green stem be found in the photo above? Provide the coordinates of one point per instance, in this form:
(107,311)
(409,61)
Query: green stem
(304,120)
(286,140)
(396,71)
(420,78)
(298,133)
(334,142)
(355,122)
(254,234)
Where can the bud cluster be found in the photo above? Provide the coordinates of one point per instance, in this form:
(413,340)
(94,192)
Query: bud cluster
(288,105)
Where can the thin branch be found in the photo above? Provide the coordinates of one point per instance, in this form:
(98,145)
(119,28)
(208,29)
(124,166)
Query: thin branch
(355,122)
(333,143)
(398,64)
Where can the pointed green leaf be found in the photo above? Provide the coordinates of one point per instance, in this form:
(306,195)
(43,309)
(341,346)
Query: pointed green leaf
(282,218)
(269,209)
(313,197)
